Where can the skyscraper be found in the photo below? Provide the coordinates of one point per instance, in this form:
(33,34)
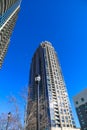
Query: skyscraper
(54,107)
(80,101)
(8,14)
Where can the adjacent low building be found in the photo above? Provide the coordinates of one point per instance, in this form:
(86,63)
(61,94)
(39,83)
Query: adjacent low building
(80,101)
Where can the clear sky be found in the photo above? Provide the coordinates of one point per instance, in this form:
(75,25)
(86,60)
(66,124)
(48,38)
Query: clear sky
(62,22)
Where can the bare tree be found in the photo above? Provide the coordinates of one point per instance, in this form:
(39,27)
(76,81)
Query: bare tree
(31,120)
(24,94)
(3,121)
(13,122)
(17,117)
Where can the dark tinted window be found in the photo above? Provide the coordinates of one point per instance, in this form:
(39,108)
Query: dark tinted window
(82,99)
(76,102)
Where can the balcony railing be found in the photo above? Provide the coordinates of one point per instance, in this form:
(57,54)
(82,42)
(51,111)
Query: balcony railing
(6,15)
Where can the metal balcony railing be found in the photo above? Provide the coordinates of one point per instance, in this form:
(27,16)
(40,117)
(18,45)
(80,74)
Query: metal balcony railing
(6,15)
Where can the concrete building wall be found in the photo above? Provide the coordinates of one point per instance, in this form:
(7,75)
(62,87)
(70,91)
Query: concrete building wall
(65,128)
(80,101)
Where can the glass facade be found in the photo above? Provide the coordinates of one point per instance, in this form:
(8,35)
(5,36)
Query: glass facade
(54,106)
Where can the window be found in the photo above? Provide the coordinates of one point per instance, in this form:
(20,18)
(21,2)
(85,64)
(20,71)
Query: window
(62,120)
(64,110)
(85,128)
(0,37)
(85,106)
(82,99)
(81,115)
(76,102)
(83,123)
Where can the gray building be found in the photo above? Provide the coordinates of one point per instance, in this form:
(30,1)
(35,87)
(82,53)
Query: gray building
(8,15)
(80,101)
(54,107)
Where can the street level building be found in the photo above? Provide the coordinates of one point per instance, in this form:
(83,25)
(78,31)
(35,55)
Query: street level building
(8,15)
(54,107)
(80,101)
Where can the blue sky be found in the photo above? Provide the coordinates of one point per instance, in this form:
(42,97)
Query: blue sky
(62,22)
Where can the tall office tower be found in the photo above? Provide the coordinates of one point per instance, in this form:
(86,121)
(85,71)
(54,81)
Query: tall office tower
(54,107)
(80,101)
(8,14)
